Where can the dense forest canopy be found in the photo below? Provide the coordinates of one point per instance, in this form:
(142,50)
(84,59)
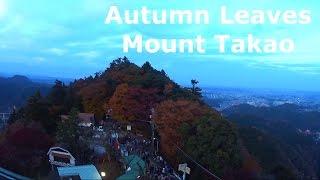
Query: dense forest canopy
(275,137)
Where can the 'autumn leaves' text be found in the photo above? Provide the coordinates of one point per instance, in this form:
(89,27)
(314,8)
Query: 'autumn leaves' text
(226,43)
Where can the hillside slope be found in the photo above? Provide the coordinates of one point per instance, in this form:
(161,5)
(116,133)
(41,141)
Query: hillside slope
(129,93)
(15,91)
(271,135)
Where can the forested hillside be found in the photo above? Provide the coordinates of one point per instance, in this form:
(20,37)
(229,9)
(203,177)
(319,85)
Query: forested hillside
(254,143)
(276,137)
(15,91)
(129,93)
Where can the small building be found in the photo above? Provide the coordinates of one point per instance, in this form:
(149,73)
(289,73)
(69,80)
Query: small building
(86,119)
(84,172)
(64,118)
(60,157)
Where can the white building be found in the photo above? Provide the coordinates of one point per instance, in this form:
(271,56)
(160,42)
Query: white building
(60,157)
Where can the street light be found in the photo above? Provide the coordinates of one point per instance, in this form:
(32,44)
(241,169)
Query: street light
(103,174)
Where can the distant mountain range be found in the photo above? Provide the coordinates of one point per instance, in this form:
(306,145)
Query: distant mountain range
(14,91)
(40,79)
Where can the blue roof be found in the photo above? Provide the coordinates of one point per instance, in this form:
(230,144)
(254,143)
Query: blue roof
(11,175)
(84,172)
(137,165)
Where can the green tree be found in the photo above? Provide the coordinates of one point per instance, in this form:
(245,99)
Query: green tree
(68,131)
(73,138)
(213,143)
(37,109)
(58,93)
(195,90)
(282,173)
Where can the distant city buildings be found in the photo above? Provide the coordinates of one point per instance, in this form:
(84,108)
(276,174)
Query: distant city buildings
(4,117)
(223,98)
(311,133)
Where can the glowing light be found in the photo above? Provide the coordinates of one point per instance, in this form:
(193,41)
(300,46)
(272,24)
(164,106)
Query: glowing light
(103,174)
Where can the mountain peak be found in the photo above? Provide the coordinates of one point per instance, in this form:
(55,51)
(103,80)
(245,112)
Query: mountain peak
(20,78)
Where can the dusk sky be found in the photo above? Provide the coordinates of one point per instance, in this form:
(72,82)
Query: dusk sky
(69,39)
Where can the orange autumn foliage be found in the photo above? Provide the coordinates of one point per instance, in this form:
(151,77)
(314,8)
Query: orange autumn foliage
(132,103)
(170,115)
(94,97)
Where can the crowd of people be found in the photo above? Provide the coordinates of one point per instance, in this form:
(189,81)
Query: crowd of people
(126,143)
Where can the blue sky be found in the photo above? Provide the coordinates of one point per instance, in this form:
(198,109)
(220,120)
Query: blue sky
(70,39)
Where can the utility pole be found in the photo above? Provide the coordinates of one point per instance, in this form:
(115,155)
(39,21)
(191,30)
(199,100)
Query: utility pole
(152,129)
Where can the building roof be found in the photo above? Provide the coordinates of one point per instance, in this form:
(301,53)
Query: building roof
(5,174)
(137,167)
(86,117)
(66,156)
(64,117)
(64,153)
(82,117)
(58,149)
(84,172)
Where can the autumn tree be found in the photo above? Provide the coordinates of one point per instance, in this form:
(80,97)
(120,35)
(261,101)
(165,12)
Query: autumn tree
(95,95)
(24,149)
(132,103)
(169,115)
(199,131)
(213,142)
(122,70)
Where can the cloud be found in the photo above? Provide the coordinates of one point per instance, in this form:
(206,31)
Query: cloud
(88,54)
(57,51)
(11,24)
(106,41)
(308,69)
(39,59)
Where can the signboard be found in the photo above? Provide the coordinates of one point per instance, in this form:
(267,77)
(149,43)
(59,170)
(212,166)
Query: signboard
(188,170)
(128,127)
(184,168)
